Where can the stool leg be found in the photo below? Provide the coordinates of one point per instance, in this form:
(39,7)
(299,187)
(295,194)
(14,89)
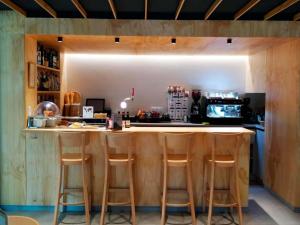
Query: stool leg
(105,193)
(131,189)
(204,187)
(90,184)
(58,195)
(211,192)
(85,194)
(65,184)
(164,198)
(191,193)
(231,184)
(238,197)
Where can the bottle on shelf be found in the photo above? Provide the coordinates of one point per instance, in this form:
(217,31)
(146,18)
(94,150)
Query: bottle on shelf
(54,59)
(127,121)
(39,54)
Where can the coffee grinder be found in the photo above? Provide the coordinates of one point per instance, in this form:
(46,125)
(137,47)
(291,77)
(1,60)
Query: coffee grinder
(195,108)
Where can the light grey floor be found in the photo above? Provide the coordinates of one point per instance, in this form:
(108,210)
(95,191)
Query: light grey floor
(264,209)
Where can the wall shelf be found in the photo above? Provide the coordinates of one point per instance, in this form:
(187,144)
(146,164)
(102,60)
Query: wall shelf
(48,92)
(47,68)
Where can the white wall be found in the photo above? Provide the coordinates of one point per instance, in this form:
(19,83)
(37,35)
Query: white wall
(112,76)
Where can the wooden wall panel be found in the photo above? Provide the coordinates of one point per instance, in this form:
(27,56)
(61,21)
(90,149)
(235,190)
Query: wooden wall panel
(281,67)
(12,141)
(257,72)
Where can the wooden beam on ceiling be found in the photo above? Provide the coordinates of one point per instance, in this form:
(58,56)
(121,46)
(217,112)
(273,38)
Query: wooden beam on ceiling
(246,8)
(146,9)
(14,7)
(280,8)
(178,10)
(46,7)
(113,8)
(80,8)
(212,8)
(297,17)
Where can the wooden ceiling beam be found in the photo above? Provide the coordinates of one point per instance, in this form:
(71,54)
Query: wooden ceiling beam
(80,8)
(246,8)
(280,8)
(297,17)
(46,7)
(146,9)
(14,7)
(212,8)
(113,8)
(178,10)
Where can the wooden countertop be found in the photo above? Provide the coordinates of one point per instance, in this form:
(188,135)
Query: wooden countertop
(153,129)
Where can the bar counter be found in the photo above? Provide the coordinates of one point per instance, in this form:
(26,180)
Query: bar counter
(42,164)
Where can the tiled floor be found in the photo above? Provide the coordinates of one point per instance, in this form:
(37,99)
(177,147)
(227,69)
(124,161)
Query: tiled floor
(263,209)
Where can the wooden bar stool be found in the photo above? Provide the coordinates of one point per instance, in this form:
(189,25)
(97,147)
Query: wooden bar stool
(21,220)
(73,140)
(177,153)
(118,150)
(225,159)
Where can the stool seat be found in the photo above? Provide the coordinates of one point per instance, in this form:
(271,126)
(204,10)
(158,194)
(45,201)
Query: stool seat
(177,159)
(120,158)
(73,158)
(221,160)
(21,220)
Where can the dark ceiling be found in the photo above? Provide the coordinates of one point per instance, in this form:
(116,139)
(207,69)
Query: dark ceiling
(158,9)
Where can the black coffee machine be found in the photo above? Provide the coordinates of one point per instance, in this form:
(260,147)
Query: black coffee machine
(196,107)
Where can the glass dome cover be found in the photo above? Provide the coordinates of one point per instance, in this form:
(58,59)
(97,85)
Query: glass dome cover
(47,109)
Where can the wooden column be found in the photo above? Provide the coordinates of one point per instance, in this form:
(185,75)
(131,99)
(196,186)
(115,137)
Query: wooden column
(12,141)
(280,68)
(283,122)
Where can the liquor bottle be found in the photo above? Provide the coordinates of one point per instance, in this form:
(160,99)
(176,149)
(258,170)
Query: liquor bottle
(54,60)
(39,55)
(42,55)
(45,58)
(127,121)
(50,58)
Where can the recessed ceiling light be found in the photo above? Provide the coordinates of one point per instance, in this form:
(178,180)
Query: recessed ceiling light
(173,41)
(60,39)
(117,40)
(229,40)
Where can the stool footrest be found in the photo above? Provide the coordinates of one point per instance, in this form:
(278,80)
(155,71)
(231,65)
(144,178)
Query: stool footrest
(222,198)
(178,204)
(73,203)
(72,190)
(116,189)
(118,203)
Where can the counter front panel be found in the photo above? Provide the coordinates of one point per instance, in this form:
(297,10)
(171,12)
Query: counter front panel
(42,165)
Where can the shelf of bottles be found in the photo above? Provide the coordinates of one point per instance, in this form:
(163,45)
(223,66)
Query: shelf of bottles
(177,103)
(48,75)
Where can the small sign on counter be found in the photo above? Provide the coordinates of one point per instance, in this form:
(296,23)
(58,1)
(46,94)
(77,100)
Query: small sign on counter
(88,112)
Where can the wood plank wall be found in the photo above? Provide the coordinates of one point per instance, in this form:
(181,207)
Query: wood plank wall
(282,104)
(12,141)
(256,75)
(280,67)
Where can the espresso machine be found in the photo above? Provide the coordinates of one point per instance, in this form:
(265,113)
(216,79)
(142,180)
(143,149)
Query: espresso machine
(196,107)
